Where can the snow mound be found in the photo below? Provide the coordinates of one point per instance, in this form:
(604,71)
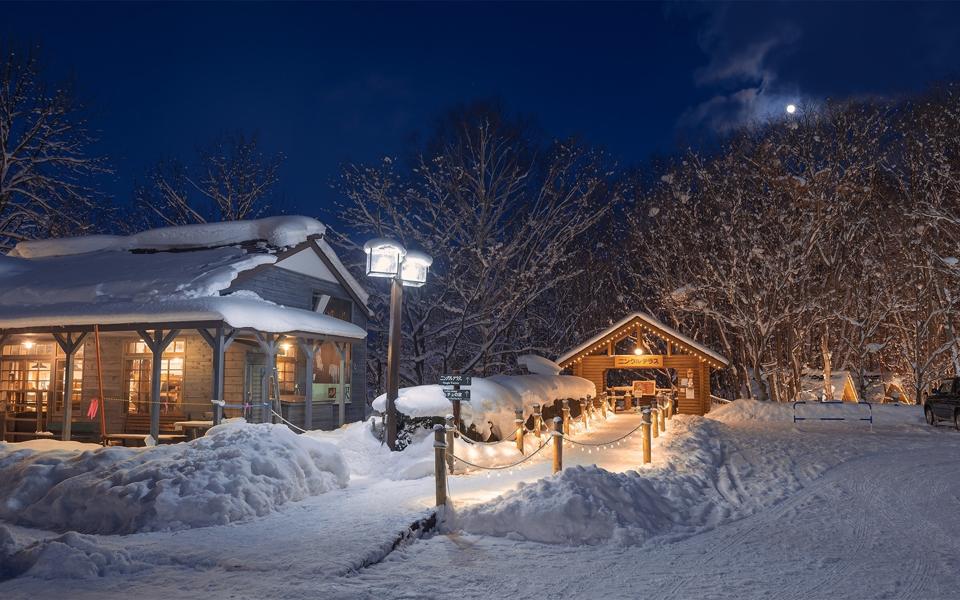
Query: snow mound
(493,400)
(280,232)
(589,505)
(236,472)
(369,458)
(69,556)
(539,365)
(883,414)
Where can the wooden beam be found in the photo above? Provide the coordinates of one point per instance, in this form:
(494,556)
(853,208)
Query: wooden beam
(157,342)
(69,344)
(309,349)
(342,351)
(219,340)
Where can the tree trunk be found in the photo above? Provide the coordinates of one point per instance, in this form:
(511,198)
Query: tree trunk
(827,366)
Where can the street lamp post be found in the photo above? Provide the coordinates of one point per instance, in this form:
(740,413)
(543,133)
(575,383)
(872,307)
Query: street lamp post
(387,258)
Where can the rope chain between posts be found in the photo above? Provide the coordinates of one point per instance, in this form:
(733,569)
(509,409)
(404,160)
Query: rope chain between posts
(502,467)
(300,429)
(463,436)
(607,443)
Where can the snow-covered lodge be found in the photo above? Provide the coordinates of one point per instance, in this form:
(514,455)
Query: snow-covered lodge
(180,324)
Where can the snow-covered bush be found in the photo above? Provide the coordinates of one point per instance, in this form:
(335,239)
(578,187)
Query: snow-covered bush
(235,472)
(493,400)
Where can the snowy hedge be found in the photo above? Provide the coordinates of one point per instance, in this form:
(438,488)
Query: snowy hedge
(492,399)
(235,472)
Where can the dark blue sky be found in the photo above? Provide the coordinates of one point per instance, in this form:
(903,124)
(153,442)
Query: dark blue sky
(328,83)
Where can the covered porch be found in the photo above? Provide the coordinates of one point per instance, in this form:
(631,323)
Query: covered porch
(170,372)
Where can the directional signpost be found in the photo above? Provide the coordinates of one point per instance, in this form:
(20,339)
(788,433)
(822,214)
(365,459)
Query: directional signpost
(457,395)
(455,380)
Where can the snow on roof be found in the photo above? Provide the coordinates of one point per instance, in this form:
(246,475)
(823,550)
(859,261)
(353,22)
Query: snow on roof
(98,280)
(238,310)
(280,232)
(653,323)
(811,383)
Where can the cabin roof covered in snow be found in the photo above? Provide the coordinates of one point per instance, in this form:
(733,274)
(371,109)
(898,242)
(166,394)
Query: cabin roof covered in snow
(652,322)
(174,274)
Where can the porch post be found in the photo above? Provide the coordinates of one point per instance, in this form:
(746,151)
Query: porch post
(268,343)
(69,345)
(157,342)
(309,349)
(219,341)
(342,351)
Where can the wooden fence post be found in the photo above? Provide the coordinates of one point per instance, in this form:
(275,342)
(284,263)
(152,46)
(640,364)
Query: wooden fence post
(518,421)
(645,428)
(537,420)
(566,416)
(557,444)
(451,436)
(584,420)
(663,418)
(439,464)
(655,420)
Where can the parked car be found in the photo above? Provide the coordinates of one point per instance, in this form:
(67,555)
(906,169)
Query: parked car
(943,403)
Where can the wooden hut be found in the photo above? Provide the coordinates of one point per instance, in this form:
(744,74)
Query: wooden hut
(639,341)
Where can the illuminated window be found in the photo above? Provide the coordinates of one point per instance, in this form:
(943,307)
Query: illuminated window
(287,368)
(28,348)
(24,384)
(138,371)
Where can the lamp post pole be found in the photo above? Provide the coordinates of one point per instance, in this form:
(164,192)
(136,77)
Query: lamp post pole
(393,360)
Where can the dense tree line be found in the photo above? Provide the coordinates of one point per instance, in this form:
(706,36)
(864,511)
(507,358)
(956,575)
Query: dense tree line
(825,240)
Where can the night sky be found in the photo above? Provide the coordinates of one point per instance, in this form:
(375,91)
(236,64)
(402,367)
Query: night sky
(328,83)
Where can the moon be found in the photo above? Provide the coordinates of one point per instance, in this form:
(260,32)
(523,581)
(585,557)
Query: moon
(791,108)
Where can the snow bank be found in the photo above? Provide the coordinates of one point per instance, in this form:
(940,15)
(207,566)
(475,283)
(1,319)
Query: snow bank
(236,472)
(69,556)
(589,505)
(369,458)
(280,232)
(883,414)
(492,399)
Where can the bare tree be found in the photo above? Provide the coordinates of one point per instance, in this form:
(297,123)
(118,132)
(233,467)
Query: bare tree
(230,180)
(506,223)
(45,168)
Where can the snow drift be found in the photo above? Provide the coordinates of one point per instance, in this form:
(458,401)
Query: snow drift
(236,472)
(883,414)
(69,556)
(492,399)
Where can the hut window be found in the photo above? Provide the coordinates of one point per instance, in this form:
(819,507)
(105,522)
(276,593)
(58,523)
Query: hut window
(287,368)
(28,348)
(24,384)
(137,373)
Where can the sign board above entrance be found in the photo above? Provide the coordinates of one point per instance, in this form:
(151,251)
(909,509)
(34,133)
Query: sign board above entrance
(642,361)
(454,380)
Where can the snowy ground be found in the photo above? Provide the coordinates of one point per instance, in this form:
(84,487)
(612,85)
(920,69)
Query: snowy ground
(740,505)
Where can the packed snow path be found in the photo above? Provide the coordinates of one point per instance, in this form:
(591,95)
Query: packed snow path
(827,511)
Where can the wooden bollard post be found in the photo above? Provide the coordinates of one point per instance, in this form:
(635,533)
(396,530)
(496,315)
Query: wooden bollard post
(647,442)
(663,418)
(612,400)
(451,436)
(584,420)
(557,444)
(603,406)
(518,421)
(439,464)
(566,416)
(669,408)
(537,420)
(655,417)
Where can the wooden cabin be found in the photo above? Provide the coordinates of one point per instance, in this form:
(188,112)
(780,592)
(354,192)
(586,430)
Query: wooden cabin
(260,316)
(640,342)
